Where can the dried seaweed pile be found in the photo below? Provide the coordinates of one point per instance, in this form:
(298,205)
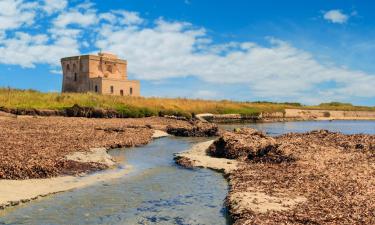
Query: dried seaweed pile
(193,128)
(248,144)
(35,147)
(333,171)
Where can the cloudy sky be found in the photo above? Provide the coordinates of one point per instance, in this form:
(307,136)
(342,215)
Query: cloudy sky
(305,51)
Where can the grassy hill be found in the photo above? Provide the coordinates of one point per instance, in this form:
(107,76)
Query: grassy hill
(141,106)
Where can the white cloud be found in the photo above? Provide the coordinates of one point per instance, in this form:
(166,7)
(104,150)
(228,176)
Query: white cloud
(129,18)
(57,71)
(27,50)
(81,16)
(52,6)
(277,71)
(336,16)
(121,17)
(16,13)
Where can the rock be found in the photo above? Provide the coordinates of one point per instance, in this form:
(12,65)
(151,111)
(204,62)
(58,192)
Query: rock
(184,162)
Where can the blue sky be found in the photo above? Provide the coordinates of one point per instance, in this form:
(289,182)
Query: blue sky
(305,51)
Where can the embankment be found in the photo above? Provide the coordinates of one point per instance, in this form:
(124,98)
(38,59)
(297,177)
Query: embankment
(318,177)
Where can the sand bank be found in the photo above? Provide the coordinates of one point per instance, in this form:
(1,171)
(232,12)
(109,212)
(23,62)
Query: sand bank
(14,192)
(159,134)
(197,157)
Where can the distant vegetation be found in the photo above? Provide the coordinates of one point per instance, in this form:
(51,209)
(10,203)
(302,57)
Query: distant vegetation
(141,106)
(335,104)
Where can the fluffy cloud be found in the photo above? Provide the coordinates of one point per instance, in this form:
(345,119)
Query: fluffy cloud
(16,13)
(27,50)
(51,6)
(336,16)
(122,17)
(161,49)
(75,17)
(279,70)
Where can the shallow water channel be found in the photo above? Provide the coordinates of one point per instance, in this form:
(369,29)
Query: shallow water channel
(156,191)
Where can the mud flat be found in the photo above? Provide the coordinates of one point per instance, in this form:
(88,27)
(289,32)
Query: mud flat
(318,177)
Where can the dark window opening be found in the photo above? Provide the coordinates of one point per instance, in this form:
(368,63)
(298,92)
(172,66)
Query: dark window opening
(96,88)
(75,76)
(122,92)
(109,68)
(112,90)
(68,67)
(131,91)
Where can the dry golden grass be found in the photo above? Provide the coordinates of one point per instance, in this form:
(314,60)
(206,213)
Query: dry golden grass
(29,99)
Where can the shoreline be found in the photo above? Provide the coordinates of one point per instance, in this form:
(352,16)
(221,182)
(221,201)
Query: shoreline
(289,115)
(15,192)
(238,202)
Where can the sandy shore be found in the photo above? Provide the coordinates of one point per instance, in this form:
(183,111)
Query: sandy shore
(14,192)
(159,134)
(197,157)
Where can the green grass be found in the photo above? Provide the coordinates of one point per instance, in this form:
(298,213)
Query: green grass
(141,106)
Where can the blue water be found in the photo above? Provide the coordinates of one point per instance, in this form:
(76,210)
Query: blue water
(347,127)
(157,191)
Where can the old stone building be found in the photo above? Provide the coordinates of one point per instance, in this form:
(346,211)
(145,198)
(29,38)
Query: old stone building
(103,73)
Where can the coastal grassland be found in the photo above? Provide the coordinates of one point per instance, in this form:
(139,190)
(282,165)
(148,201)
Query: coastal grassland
(152,106)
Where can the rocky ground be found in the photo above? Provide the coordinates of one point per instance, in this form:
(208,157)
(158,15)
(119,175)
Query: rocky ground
(36,147)
(318,177)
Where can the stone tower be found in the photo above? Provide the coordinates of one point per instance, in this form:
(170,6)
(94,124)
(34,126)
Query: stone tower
(103,73)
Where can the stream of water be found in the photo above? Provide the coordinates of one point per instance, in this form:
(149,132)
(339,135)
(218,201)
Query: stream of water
(156,191)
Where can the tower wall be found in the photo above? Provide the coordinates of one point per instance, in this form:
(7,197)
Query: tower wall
(103,73)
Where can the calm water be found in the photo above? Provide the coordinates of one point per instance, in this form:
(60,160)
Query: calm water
(347,127)
(157,191)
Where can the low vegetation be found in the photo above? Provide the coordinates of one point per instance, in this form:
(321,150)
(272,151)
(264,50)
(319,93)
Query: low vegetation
(144,107)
